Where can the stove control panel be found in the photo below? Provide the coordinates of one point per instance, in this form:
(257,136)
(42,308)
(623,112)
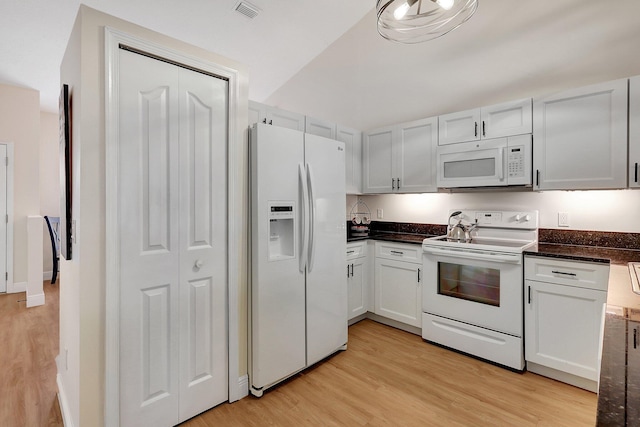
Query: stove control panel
(526,220)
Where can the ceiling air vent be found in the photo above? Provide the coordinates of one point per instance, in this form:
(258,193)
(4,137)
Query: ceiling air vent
(247,9)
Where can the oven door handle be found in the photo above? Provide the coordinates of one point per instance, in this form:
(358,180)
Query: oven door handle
(515,258)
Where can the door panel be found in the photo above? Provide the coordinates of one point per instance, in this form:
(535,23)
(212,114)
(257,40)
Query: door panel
(326,284)
(203,243)
(149,252)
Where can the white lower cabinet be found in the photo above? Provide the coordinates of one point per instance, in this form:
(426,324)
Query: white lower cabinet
(397,284)
(358,280)
(564,302)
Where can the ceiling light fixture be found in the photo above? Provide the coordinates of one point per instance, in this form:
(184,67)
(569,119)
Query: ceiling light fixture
(415,21)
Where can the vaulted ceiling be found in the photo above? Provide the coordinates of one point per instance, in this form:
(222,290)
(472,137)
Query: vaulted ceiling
(325,58)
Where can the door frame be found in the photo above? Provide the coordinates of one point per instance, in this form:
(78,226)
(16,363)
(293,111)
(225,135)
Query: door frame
(9,243)
(113,39)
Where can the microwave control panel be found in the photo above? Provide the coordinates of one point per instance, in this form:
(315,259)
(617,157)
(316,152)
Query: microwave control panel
(516,162)
(519,153)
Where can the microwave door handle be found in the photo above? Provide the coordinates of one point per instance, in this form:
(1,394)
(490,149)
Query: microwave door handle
(501,163)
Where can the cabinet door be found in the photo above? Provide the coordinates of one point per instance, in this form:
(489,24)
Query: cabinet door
(353,157)
(285,119)
(633,372)
(377,161)
(634,132)
(562,327)
(257,113)
(320,127)
(415,152)
(357,286)
(580,138)
(506,119)
(397,291)
(461,126)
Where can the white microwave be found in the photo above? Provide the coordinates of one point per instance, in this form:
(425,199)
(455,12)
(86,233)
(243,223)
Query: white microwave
(495,162)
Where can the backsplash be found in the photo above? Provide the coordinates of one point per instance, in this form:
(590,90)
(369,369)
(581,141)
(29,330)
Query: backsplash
(604,239)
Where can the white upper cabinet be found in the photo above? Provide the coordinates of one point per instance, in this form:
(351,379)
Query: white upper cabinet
(495,121)
(415,154)
(377,162)
(274,116)
(580,138)
(320,127)
(401,158)
(352,139)
(634,132)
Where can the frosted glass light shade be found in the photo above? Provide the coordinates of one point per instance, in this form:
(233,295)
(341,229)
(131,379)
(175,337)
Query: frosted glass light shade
(424,20)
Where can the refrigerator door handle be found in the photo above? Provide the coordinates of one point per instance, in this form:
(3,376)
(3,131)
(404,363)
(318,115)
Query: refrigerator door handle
(304,227)
(312,219)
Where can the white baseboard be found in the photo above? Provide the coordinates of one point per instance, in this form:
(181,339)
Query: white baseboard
(35,300)
(243,386)
(14,288)
(64,404)
(46,275)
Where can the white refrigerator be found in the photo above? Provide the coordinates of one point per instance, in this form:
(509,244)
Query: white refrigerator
(298,291)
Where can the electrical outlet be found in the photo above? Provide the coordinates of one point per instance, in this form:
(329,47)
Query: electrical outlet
(380,214)
(563,219)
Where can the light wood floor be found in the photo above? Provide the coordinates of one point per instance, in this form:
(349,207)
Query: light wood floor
(28,347)
(387,377)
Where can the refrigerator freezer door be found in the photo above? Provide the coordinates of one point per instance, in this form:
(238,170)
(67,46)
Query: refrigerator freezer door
(326,282)
(277,285)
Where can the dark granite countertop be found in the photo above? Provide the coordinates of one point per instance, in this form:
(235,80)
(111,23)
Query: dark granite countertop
(585,253)
(395,237)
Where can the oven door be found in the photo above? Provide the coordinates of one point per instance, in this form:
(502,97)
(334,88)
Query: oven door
(472,164)
(476,287)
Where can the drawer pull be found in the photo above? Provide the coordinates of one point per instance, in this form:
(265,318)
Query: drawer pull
(350,252)
(397,253)
(529,292)
(563,273)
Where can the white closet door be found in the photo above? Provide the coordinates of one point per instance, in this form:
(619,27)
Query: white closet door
(203,243)
(149,241)
(173,202)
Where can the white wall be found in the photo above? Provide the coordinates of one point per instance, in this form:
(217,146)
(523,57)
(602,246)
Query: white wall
(612,210)
(49,178)
(82,296)
(20,124)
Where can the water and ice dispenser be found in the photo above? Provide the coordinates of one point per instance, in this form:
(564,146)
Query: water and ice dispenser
(281,230)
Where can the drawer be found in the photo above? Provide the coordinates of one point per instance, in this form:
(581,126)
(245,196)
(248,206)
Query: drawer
(398,251)
(356,250)
(573,273)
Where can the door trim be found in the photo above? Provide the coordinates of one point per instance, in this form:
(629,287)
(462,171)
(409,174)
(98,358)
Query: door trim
(113,39)
(9,248)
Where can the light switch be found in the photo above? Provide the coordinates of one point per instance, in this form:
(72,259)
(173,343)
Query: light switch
(380,213)
(563,219)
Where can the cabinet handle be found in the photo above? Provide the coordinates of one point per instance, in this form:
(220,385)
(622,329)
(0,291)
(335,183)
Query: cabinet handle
(352,270)
(529,292)
(563,273)
(483,133)
(475,131)
(350,252)
(418,275)
(635,337)
(397,253)
(636,172)
(393,183)
(347,271)
(537,177)
(270,122)
(398,183)
(264,120)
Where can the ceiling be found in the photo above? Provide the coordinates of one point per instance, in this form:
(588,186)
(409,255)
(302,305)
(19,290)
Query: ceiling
(326,59)
(275,44)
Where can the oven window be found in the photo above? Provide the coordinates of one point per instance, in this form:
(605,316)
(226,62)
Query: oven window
(479,284)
